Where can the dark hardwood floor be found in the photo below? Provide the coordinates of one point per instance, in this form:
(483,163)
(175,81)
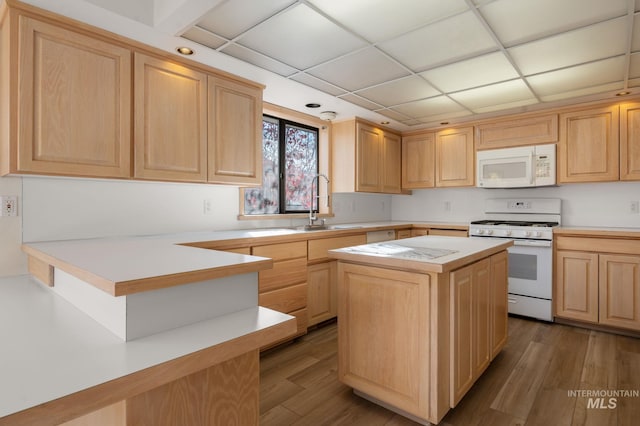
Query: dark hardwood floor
(527,384)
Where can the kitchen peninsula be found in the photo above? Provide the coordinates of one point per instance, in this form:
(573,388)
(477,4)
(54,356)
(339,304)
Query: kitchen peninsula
(420,320)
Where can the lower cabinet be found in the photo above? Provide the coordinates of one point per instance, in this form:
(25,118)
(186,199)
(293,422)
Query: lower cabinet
(322,297)
(598,287)
(284,287)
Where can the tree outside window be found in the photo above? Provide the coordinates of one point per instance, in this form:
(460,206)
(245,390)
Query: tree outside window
(290,162)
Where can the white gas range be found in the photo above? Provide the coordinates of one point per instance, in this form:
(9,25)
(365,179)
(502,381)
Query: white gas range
(529,223)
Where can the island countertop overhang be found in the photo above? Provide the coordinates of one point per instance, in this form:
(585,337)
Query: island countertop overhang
(413,254)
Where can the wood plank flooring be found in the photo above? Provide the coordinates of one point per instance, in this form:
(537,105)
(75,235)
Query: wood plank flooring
(527,384)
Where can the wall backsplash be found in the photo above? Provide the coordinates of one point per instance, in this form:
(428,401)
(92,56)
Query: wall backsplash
(587,204)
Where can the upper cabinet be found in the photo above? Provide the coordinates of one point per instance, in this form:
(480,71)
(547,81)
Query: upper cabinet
(78,89)
(630,141)
(455,157)
(588,146)
(235,132)
(418,161)
(170,121)
(521,131)
(375,153)
(70,113)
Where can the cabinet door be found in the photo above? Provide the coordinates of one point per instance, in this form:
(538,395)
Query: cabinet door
(576,292)
(74,104)
(391,160)
(170,121)
(322,289)
(369,161)
(235,132)
(418,161)
(620,291)
(588,146)
(481,316)
(630,141)
(499,302)
(517,132)
(455,157)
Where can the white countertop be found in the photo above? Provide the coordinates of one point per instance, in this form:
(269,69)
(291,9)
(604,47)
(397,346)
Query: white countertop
(428,253)
(50,349)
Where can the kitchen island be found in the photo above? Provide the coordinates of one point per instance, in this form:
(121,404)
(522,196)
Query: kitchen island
(420,320)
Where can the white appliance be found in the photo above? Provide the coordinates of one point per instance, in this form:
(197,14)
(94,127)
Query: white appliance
(518,167)
(529,223)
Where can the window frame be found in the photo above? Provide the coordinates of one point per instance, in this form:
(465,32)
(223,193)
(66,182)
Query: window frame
(323,157)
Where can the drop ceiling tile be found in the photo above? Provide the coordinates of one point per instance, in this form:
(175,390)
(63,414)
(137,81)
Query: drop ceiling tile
(561,84)
(635,41)
(454,38)
(258,60)
(412,122)
(367,67)
(474,72)
(591,43)
(204,37)
(634,65)
(311,81)
(429,107)
(400,91)
(591,90)
(437,119)
(231,18)
(394,115)
(517,21)
(506,93)
(378,20)
(301,38)
(364,103)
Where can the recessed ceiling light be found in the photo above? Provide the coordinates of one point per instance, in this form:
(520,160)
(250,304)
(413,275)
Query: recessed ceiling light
(183,50)
(444,123)
(313,105)
(385,122)
(625,93)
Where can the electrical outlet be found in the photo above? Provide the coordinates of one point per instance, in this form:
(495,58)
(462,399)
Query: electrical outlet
(9,205)
(634,208)
(208,207)
(447,206)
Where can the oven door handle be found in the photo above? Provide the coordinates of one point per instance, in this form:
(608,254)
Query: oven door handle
(532,243)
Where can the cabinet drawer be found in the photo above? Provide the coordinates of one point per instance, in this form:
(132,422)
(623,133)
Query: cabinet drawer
(403,233)
(599,245)
(318,248)
(418,232)
(283,274)
(448,232)
(282,251)
(286,299)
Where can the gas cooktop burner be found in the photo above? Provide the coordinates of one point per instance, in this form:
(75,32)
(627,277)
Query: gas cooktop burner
(515,223)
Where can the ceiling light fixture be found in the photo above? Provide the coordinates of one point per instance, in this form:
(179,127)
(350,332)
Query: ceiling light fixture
(328,115)
(385,122)
(312,105)
(444,123)
(625,93)
(184,50)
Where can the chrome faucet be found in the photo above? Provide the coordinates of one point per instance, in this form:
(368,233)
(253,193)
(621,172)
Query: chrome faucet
(312,216)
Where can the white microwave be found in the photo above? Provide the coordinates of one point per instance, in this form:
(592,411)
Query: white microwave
(519,167)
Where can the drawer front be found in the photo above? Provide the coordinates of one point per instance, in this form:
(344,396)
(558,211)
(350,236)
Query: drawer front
(282,251)
(418,232)
(318,248)
(403,233)
(598,245)
(286,299)
(448,232)
(283,274)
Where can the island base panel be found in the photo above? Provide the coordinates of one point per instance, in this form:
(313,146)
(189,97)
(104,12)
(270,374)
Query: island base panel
(224,394)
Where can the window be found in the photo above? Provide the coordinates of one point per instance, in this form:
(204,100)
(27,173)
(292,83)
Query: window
(290,163)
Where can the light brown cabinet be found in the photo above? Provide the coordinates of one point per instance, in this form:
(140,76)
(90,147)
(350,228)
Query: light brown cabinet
(529,130)
(322,296)
(630,141)
(455,157)
(284,287)
(67,99)
(418,161)
(170,125)
(498,302)
(235,132)
(588,146)
(366,158)
(600,287)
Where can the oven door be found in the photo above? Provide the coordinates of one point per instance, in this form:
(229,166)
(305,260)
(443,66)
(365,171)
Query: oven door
(530,268)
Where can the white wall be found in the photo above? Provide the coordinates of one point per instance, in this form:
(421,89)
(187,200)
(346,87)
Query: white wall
(592,204)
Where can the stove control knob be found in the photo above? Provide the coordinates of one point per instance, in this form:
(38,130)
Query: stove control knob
(527,233)
(507,232)
(537,234)
(489,231)
(480,231)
